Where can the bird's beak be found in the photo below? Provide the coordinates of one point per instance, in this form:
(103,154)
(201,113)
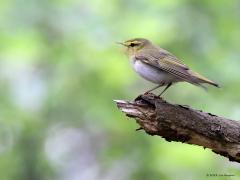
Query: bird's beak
(121,43)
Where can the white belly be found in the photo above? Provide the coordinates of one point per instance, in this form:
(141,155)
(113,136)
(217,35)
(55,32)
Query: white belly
(151,73)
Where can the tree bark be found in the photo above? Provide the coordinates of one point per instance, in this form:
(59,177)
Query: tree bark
(184,124)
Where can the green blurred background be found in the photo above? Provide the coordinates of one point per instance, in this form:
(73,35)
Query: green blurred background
(61,69)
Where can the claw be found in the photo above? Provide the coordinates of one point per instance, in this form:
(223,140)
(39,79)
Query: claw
(138,98)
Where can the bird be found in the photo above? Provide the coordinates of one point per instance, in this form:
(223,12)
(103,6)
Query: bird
(159,66)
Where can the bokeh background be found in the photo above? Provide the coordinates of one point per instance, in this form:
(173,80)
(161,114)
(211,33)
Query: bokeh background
(60,70)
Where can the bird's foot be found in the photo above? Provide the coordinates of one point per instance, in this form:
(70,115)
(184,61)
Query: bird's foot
(138,98)
(147,92)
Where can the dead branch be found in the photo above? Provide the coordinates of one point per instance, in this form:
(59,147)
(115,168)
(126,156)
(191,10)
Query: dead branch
(184,124)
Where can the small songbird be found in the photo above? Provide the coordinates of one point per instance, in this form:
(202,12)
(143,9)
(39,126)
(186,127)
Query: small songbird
(160,66)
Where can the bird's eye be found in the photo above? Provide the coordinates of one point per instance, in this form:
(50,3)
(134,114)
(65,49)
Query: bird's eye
(132,44)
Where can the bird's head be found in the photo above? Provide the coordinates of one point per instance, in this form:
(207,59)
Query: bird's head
(135,45)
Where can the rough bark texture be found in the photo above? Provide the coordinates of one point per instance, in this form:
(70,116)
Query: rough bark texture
(184,124)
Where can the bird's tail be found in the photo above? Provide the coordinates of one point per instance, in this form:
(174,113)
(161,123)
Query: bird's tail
(201,79)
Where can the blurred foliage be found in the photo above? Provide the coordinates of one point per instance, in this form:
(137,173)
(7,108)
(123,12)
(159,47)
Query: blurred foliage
(61,69)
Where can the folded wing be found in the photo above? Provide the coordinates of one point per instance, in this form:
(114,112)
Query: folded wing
(169,63)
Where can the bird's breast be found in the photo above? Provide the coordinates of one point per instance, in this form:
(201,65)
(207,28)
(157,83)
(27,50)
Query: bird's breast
(152,73)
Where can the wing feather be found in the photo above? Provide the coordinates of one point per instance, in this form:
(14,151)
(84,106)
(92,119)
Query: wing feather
(169,63)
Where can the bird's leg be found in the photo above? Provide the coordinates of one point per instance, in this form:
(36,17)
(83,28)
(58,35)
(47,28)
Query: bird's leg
(158,86)
(165,89)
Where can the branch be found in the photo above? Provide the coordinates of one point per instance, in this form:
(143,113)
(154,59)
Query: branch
(184,124)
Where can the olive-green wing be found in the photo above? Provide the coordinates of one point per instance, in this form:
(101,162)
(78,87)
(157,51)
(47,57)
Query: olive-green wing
(165,61)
